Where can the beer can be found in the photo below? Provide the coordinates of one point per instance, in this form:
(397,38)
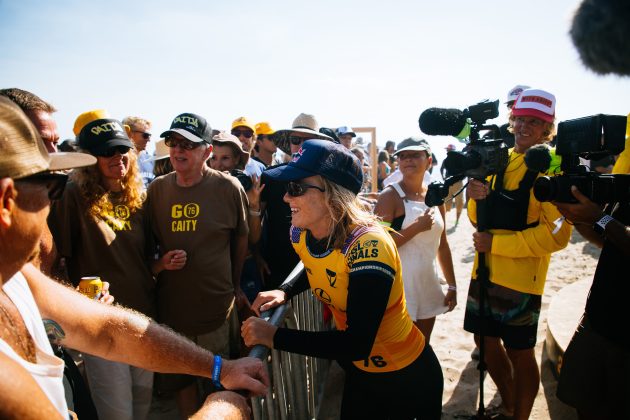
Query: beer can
(91,287)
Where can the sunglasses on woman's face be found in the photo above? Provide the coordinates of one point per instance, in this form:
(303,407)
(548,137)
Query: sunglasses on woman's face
(184,144)
(296,189)
(113,150)
(245,133)
(55,183)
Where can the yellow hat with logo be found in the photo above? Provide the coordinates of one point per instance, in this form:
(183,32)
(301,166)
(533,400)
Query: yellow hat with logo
(264,129)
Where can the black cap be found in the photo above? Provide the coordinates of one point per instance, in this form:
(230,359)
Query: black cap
(191,126)
(98,136)
(322,157)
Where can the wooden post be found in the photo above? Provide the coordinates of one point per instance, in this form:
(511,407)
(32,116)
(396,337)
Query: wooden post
(373,156)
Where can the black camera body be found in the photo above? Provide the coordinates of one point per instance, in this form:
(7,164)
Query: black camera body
(243,178)
(590,137)
(481,156)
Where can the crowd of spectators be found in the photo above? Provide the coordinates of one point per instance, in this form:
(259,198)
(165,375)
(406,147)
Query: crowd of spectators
(190,235)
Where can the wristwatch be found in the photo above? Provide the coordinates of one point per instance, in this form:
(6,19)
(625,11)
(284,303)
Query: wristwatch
(600,226)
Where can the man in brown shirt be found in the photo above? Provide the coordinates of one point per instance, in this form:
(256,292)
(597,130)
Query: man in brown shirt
(203,212)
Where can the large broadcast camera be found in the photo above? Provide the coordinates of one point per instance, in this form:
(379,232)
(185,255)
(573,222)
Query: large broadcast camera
(593,138)
(482,156)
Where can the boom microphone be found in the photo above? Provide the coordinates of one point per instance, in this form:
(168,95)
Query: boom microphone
(444,122)
(538,158)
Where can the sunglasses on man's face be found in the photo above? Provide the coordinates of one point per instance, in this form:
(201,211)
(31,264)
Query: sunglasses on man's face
(296,189)
(245,133)
(145,135)
(184,144)
(113,150)
(55,183)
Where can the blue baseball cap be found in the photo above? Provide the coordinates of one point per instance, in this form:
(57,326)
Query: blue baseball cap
(322,157)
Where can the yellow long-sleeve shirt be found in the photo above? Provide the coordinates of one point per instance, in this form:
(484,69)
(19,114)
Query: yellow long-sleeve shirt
(520,259)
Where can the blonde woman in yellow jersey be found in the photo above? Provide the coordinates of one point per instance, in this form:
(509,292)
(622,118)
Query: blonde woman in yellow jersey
(352,265)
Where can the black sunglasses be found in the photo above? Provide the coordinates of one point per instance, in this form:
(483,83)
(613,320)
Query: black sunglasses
(295,189)
(184,144)
(145,135)
(245,133)
(113,150)
(55,183)
(297,140)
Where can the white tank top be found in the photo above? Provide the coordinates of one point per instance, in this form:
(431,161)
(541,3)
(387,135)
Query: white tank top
(48,371)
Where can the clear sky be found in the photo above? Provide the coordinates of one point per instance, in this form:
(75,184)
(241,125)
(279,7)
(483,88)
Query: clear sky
(356,62)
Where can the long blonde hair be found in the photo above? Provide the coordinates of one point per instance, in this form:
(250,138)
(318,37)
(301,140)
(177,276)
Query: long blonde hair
(346,213)
(90,183)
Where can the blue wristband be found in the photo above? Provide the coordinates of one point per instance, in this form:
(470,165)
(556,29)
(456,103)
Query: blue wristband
(216,372)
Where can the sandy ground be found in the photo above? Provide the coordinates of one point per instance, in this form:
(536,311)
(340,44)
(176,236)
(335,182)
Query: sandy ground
(453,345)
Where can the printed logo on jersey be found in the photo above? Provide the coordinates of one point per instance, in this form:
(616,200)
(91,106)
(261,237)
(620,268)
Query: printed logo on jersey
(117,218)
(184,217)
(366,250)
(322,295)
(332,277)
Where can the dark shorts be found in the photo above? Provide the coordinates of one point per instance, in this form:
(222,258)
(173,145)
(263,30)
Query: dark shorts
(509,315)
(414,392)
(594,375)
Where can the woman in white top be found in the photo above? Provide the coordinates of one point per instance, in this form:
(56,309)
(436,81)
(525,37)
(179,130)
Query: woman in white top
(420,237)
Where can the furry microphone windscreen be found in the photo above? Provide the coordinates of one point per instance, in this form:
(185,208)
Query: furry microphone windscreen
(601,34)
(538,158)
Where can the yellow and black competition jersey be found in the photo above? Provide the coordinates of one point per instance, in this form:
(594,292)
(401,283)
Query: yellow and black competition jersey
(362,285)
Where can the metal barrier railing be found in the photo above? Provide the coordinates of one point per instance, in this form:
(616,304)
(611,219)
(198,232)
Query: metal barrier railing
(296,381)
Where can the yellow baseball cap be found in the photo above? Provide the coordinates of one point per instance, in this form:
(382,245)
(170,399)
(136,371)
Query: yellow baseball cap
(264,129)
(87,117)
(243,122)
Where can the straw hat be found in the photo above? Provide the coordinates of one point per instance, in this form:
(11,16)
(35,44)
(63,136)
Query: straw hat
(303,123)
(161,150)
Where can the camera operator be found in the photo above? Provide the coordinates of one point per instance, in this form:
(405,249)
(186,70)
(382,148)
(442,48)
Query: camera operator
(522,234)
(596,365)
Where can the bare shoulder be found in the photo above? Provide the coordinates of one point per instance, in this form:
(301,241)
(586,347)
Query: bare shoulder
(388,204)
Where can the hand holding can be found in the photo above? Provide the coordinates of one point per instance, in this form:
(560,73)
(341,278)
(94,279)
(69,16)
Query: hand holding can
(91,287)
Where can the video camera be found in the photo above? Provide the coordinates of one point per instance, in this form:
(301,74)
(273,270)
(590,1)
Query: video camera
(481,156)
(593,138)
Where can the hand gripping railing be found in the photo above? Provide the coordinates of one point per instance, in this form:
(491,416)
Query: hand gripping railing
(296,381)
